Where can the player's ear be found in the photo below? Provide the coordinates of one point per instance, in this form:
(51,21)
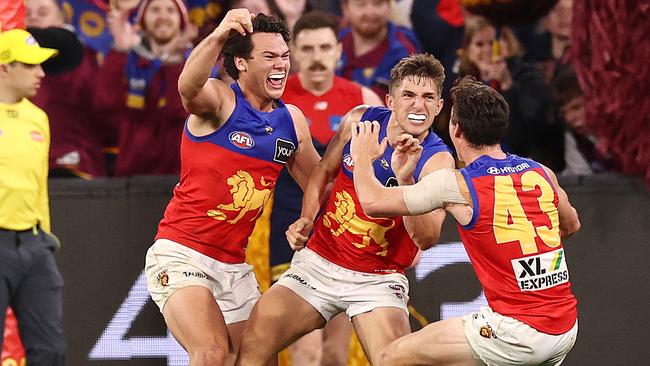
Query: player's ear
(455,130)
(389,100)
(339,50)
(241,64)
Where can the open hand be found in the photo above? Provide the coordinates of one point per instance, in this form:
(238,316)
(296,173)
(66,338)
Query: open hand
(406,155)
(235,21)
(125,35)
(364,144)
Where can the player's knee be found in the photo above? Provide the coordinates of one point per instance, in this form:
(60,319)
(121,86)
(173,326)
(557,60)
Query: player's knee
(209,355)
(306,357)
(388,355)
(253,343)
(334,354)
(306,353)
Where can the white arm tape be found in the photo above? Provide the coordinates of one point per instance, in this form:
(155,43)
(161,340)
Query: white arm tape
(433,191)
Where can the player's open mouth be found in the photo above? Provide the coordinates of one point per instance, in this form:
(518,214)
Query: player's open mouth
(276,79)
(416,118)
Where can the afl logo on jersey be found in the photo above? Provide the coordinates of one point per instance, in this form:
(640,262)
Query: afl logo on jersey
(348,163)
(241,139)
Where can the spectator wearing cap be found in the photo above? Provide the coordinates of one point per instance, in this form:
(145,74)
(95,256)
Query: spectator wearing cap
(137,85)
(30,280)
(372,44)
(78,134)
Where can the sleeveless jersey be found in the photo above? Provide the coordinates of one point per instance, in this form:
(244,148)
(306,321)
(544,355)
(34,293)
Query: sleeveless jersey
(346,236)
(324,115)
(513,241)
(226,179)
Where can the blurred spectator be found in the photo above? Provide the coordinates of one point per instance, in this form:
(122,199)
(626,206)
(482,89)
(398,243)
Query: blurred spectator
(43,13)
(76,148)
(529,132)
(400,12)
(582,152)
(289,10)
(372,44)
(254,6)
(438,24)
(558,25)
(138,85)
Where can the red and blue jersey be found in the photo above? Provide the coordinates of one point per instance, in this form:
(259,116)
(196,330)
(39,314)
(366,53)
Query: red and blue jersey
(346,236)
(323,113)
(372,69)
(226,179)
(513,241)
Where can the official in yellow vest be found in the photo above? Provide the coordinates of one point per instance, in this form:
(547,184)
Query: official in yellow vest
(30,281)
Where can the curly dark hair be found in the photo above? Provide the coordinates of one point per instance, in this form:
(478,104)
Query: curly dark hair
(481,112)
(241,46)
(422,65)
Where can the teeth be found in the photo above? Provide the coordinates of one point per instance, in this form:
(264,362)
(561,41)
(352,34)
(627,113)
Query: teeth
(417,117)
(277,76)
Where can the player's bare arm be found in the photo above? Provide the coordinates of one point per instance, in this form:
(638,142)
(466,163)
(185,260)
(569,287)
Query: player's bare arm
(323,173)
(305,157)
(211,99)
(436,190)
(375,199)
(569,221)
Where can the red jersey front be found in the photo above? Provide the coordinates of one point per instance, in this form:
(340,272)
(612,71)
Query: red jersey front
(346,236)
(226,179)
(514,243)
(323,112)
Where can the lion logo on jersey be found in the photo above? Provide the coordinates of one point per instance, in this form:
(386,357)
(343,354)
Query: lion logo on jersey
(346,217)
(245,198)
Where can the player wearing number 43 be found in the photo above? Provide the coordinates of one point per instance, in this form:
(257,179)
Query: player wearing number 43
(512,215)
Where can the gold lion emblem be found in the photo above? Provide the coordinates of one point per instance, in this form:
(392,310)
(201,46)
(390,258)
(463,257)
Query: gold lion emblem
(245,198)
(486,331)
(163,278)
(346,217)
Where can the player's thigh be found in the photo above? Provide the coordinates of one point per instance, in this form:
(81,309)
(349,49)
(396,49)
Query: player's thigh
(235,331)
(336,340)
(280,317)
(439,343)
(308,349)
(379,327)
(195,319)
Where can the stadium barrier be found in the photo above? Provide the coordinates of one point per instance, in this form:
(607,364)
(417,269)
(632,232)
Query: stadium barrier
(106,226)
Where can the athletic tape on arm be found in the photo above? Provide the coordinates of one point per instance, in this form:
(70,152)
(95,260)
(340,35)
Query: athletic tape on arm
(433,191)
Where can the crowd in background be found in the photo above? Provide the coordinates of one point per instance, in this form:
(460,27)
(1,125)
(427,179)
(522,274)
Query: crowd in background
(118,113)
